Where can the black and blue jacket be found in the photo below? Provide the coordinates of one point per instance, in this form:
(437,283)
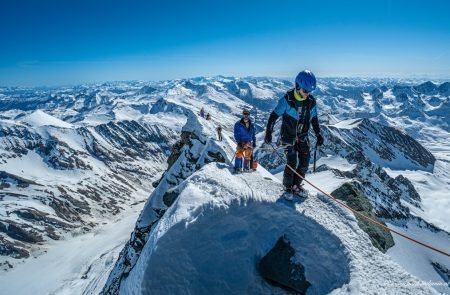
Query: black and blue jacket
(297,117)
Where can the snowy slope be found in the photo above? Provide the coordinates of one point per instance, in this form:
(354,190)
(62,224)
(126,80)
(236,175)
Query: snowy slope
(241,223)
(40,118)
(80,264)
(235,220)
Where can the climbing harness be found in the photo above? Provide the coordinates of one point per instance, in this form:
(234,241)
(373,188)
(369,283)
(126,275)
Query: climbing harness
(360,214)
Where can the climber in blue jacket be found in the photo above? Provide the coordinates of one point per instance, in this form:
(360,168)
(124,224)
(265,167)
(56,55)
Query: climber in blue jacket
(298,110)
(244,134)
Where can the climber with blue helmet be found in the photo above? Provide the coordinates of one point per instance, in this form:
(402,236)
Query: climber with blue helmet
(298,110)
(244,134)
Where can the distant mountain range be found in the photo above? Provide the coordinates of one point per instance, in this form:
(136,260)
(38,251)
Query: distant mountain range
(72,157)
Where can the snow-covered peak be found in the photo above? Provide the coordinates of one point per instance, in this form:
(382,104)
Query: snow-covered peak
(216,232)
(209,229)
(40,118)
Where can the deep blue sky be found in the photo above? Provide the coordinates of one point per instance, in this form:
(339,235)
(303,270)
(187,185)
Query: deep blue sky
(68,42)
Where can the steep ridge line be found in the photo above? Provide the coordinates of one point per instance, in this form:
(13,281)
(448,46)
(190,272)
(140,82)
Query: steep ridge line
(360,214)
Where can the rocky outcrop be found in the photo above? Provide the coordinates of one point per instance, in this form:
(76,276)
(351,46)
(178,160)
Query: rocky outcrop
(352,195)
(13,249)
(278,267)
(20,232)
(59,155)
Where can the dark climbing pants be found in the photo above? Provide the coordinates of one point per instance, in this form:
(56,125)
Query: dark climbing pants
(297,156)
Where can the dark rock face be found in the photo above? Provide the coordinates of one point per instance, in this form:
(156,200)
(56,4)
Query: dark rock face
(402,184)
(372,146)
(13,249)
(177,147)
(384,192)
(426,88)
(384,141)
(442,271)
(11,178)
(277,267)
(39,217)
(351,194)
(146,90)
(20,232)
(133,153)
(444,88)
(215,157)
(163,105)
(170,196)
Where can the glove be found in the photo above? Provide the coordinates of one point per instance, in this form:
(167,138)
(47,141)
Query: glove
(242,144)
(319,139)
(254,144)
(268,137)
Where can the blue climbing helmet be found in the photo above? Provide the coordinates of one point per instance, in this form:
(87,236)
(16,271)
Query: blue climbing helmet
(306,80)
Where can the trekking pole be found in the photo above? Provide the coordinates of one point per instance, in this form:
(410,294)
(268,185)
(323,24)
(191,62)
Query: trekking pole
(315,157)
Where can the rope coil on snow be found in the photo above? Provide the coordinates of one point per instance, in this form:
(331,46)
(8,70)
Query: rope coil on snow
(360,214)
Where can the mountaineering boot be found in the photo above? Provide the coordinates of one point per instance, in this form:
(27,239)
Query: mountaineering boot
(298,190)
(247,165)
(237,170)
(288,194)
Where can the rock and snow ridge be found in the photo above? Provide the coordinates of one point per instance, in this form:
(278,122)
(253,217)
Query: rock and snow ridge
(109,109)
(204,229)
(370,146)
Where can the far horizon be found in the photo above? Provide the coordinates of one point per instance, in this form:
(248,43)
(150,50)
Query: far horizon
(419,79)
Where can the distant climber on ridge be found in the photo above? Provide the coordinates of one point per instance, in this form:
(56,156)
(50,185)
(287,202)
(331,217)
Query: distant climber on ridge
(298,109)
(219,132)
(202,112)
(244,134)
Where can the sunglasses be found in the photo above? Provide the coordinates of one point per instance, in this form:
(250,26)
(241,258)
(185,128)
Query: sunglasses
(305,91)
(246,115)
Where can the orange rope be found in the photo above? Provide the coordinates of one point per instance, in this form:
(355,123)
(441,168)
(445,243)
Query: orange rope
(362,215)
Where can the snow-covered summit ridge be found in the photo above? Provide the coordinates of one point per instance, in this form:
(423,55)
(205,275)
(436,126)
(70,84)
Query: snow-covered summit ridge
(195,148)
(215,227)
